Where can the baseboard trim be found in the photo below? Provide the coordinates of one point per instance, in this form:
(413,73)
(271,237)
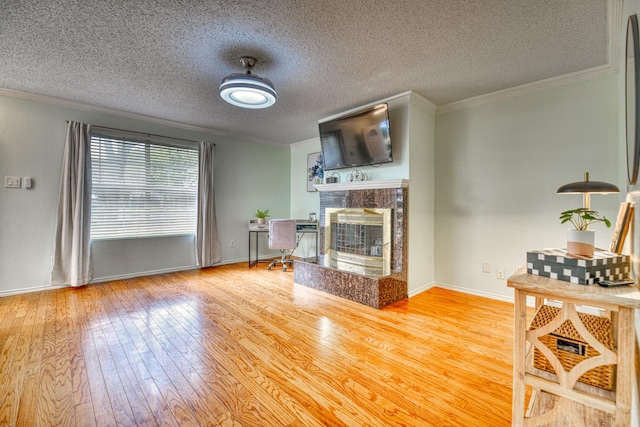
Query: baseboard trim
(142,273)
(29,290)
(172,270)
(411,294)
(461,289)
(114,277)
(421,289)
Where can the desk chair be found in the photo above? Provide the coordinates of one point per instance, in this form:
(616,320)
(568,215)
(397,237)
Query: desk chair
(282,236)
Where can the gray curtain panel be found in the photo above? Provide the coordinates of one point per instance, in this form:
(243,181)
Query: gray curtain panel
(72,256)
(207,245)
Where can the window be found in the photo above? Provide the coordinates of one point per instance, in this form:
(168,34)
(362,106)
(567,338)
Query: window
(142,189)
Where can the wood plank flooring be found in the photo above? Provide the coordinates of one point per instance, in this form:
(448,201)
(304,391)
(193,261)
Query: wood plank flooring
(233,346)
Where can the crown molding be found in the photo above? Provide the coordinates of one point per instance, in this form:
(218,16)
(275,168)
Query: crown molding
(404,96)
(578,76)
(314,140)
(408,97)
(615,21)
(44,99)
(617,24)
(421,102)
(413,98)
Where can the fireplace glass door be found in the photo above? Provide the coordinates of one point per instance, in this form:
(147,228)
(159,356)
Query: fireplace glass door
(358,240)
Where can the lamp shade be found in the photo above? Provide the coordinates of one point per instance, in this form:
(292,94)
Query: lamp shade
(587,186)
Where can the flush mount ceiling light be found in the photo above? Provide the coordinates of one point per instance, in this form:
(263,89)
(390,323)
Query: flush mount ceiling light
(248,90)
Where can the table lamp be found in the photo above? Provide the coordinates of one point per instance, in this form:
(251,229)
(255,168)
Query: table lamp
(586,188)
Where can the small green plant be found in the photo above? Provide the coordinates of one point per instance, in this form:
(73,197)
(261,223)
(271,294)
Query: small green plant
(262,214)
(582,217)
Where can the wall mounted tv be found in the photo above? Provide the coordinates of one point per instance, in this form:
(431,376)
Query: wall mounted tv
(358,139)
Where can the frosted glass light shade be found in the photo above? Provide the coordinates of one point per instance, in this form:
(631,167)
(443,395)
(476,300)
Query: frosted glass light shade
(248,91)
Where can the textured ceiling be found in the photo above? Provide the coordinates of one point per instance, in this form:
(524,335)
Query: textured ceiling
(166,58)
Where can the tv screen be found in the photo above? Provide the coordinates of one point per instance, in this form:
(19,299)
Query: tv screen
(358,139)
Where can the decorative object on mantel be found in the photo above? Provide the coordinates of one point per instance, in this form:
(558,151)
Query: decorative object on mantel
(580,241)
(357,176)
(315,170)
(332,178)
(364,185)
(558,264)
(262,216)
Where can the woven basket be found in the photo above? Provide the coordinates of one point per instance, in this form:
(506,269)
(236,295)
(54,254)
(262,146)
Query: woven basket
(570,348)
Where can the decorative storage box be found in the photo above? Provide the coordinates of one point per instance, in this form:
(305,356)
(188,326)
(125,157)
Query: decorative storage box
(556,264)
(570,348)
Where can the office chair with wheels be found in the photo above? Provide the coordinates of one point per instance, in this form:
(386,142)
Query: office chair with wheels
(282,236)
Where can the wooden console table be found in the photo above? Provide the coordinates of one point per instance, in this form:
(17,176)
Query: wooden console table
(620,303)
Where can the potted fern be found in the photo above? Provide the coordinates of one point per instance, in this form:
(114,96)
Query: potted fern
(262,216)
(581,240)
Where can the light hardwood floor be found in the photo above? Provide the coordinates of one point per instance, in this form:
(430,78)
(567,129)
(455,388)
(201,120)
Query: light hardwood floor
(234,346)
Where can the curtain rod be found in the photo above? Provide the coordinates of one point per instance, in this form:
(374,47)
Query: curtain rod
(144,133)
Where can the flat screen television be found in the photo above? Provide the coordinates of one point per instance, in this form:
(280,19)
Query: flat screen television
(358,139)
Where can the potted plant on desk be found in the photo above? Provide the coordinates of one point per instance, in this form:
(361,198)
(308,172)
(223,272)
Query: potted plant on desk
(581,240)
(262,215)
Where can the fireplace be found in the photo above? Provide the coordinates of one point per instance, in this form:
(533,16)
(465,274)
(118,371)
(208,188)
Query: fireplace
(363,243)
(358,240)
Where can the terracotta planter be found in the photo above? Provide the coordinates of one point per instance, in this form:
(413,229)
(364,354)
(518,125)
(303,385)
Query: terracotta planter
(261,220)
(581,242)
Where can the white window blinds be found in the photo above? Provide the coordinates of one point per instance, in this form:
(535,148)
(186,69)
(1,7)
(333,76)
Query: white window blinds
(142,189)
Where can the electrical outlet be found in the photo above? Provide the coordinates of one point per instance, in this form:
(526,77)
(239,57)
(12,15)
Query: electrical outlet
(500,272)
(233,243)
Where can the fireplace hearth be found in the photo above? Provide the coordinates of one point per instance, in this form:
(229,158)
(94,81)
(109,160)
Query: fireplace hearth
(363,243)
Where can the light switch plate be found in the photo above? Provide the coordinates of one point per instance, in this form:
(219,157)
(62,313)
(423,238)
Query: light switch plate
(12,182)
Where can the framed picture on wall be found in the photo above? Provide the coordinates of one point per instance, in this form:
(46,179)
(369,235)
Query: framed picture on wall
(315,170)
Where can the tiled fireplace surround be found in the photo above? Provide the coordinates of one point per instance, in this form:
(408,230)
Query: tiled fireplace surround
(371,290)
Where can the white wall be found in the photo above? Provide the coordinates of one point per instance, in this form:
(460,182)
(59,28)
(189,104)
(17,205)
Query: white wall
(248,176)
(302,201)
(498,167)
(421,129)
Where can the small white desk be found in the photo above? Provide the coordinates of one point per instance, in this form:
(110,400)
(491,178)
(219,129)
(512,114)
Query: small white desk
(303,226)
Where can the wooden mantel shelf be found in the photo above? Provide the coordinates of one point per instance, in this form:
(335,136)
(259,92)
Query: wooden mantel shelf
(364,185)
